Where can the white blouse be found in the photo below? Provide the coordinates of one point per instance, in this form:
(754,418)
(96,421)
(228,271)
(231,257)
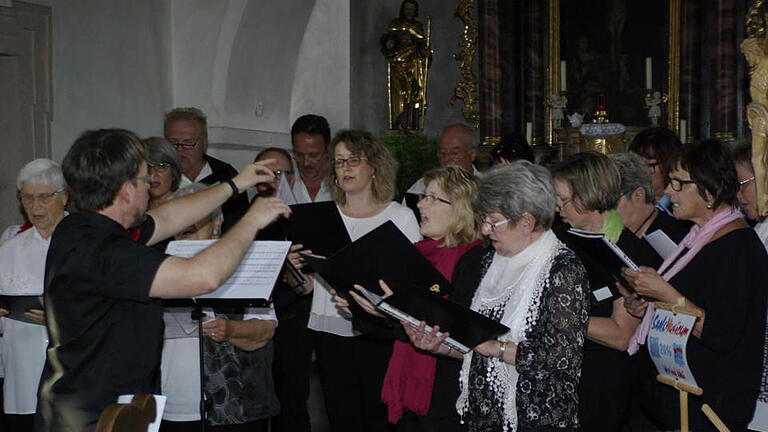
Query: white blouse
(22,271)
(324,316)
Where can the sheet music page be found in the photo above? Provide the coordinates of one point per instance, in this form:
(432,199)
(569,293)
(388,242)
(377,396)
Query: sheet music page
(256,275)
(661,243)
(179,323)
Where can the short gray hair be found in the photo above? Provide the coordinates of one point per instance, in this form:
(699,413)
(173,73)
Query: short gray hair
(42,172)
(159,150)
(193,189)
(634,174)
(468,132)
(187,113)
(517,188)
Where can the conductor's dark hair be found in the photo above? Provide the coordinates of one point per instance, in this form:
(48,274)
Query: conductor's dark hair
(98,164)
(312,124)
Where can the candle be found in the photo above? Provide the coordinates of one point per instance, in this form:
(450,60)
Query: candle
(528,132)
(562,76)
(648,73)
(683,130)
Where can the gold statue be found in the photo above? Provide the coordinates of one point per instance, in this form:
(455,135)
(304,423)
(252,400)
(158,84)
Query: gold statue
(407,50)
(754,49)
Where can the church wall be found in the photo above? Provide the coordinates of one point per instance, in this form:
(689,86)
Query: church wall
(111,67)
(369,20)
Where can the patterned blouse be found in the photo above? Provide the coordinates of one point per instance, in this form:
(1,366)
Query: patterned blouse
(548,361)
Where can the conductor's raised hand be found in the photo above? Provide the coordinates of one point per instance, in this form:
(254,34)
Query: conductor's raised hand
(253,173)
(365,304)
(423,340)
(264,211)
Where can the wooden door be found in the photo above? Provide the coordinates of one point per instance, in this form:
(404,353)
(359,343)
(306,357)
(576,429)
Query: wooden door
(25,105)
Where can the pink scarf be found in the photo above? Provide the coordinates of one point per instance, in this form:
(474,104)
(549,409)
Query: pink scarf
(411,374)
(696,238)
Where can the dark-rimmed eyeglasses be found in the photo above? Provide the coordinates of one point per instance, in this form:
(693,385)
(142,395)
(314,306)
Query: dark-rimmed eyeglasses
(159,167)
(350,161)
(746,181)
(185,144)
(677,184)
(565,202)
(44,198)
(493,225)
(431,199)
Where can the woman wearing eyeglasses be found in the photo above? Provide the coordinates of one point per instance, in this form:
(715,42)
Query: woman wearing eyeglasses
(352,365)
(532,283)
(719,268)
(636,205)
(165,166)
(657,146)
(43,195)
(420,388)
(588,187)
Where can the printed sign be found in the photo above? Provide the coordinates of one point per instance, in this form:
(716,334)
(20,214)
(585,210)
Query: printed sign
(666,343)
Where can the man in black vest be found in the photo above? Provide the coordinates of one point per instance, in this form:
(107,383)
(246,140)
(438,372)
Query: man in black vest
(187,130)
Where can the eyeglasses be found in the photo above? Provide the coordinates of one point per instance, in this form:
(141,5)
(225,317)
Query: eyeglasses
(44,198)
(350,161)
(652,166)
(431,199)
(560,207)
(185,144)
(146,178)
(159,167)
(308,157)
(677,184)
(746,181)
(279,173)
(493,225)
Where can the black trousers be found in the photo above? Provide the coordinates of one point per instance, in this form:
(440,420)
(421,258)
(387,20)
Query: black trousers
(194,426)
(19,422)
(293,343)
(351,373)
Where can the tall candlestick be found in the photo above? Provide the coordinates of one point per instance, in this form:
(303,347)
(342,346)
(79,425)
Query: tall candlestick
(562,76)
(528,132)
(648,73)
(683,130)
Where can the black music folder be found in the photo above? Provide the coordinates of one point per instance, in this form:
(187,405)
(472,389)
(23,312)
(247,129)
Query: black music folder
(385,253)
(603,261)
(316,226)
(16,305)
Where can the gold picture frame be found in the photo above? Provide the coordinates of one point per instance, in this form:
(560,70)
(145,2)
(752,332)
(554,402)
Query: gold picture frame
(673,75)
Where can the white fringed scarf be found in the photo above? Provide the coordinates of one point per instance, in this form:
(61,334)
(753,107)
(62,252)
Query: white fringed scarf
(514,285)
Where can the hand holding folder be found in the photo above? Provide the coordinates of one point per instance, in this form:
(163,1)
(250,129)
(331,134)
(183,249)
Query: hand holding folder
(386,254)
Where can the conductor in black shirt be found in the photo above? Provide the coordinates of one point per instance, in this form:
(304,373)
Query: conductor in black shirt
(102,283)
